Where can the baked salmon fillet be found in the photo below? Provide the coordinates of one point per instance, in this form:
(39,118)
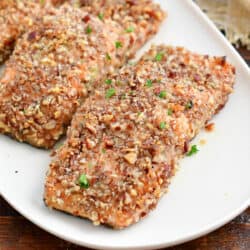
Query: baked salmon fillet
(49,72)
(125,141)
(52,70)
(138,20)
(16,17)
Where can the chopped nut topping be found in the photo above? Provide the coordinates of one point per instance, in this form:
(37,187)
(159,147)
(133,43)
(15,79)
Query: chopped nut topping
(131,158)
(140,155)
(65,51)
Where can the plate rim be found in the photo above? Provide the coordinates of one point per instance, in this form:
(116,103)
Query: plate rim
(201,231)
(194,235)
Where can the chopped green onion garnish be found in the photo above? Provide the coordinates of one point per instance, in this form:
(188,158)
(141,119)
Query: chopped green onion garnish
(193,150)
(189,105)
(130,29)
(149,83)
(131,62)
(118,44)
(108,57)
(108,81)
(110,93)
(83,181)
(103,150)
(163,125)
(100,16)
(88,30)
(132,92)
(163,94)
(159,57)
(170,111)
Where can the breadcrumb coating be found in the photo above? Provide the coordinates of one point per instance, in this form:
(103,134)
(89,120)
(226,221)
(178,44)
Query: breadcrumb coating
(16,17)
(53,68)
(126,139)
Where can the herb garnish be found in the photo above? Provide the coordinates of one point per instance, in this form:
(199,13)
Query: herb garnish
(193,150)
(110,92)
(130,29)
(159,57)
(83,181)
(108,57)
(88,30)
(118,44)
(163,94)
(149,83)
(108,81)
(189,105)
(163,125)
(170,112)
(100,16)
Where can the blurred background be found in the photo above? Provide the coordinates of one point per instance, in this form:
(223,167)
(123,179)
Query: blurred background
(232,17)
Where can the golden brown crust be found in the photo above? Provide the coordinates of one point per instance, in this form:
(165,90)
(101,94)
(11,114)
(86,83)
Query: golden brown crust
(52,70)
(138,20)
(47,76)
(17,17)
(128,136)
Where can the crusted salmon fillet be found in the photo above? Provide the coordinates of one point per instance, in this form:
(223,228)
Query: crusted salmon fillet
(52,70)
(125,141)
(138,20)
(16,17)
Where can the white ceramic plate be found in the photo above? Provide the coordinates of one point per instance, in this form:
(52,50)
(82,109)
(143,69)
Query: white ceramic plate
(210,188)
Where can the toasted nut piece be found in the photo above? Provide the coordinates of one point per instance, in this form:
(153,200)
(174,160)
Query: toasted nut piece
(131,158)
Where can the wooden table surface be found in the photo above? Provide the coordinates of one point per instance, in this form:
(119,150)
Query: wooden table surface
(18,233)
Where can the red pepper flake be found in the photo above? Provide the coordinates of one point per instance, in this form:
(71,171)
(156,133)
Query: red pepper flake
(223,60)
(167,169)
(182,64)
(197,77)
(185,148)
(31,35)
(209,127)
(172,74)
(157,90)
(109,143)
(86,18)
